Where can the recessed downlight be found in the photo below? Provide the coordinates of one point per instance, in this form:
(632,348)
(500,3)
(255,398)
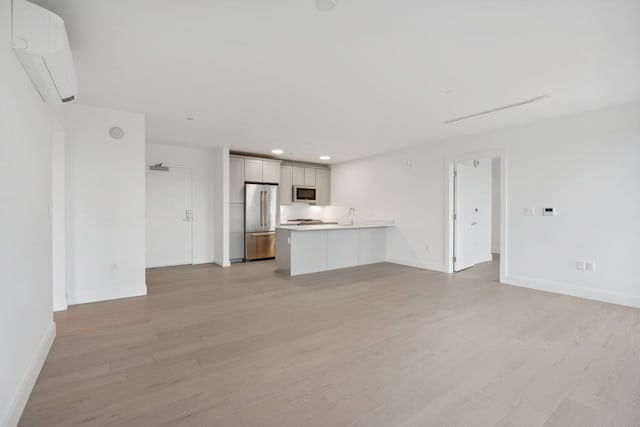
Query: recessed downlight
(325,157)
(277,151)
(191,118)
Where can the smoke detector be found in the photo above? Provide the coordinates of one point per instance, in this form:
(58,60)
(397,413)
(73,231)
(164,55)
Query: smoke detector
(116,132)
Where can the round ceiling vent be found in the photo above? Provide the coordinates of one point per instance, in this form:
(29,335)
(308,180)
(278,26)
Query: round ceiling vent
(325,5)
(116,132)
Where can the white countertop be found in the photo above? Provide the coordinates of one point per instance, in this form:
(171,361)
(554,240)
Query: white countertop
(363,224)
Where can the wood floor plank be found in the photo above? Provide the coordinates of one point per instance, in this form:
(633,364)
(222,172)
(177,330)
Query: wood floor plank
(379,345)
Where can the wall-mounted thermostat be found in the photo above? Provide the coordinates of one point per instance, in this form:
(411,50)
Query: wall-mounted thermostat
(548,211)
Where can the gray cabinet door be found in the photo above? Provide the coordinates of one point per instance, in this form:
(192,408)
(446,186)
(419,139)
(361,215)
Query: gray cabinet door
(236,232)
(271,172)
(286,185)
(253,170)
(323,187)
(298,175)
(310,177)
(236,180)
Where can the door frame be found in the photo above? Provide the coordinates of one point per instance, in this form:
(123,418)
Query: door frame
(449,204)
(193,210)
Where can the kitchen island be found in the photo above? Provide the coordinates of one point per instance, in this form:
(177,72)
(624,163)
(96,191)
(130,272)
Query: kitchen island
(302,249)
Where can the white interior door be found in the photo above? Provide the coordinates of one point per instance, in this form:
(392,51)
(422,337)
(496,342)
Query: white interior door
(169,231)
(472,213)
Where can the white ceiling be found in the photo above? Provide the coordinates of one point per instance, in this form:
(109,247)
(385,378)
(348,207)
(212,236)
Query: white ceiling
(368,77)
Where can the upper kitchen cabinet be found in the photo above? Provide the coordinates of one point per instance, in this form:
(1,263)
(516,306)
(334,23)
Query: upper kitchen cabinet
(298,175)
(304,176)
(323,187)
(271,172)
(261,171)
(253,170)
(310,177)
(295,175)
(286,185)
(236,180)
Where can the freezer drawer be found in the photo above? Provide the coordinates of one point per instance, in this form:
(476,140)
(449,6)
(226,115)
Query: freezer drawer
(260,245)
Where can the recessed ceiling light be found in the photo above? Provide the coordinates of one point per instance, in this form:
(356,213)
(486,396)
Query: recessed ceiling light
(277,151)
(191,118)
(325,5)
(325,158)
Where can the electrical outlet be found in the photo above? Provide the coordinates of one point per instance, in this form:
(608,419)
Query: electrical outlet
(591,266)
(581,265)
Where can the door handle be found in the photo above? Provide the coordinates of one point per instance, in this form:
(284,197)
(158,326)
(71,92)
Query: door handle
(261,208)
(266,214)
(264,202)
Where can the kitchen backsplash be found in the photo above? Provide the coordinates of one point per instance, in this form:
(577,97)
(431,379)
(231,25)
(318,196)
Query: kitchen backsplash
(302,210)
(326,213)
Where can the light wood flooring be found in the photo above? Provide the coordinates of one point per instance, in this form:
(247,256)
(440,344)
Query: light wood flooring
(382,345)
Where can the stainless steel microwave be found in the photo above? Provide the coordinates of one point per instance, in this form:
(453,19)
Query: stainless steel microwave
(304,194)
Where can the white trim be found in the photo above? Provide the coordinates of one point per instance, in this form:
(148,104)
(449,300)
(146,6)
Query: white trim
(19,401)
(629,300)
(488,257)
(426,265)
(448,205)
(106,294)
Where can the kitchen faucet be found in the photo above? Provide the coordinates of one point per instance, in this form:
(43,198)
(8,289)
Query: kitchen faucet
(353,211)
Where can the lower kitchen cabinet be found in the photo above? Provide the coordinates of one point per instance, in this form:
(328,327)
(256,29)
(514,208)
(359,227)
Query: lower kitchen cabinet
(308,250)
(236,232)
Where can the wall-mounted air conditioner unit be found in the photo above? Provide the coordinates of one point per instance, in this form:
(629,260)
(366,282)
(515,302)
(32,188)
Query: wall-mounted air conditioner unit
(41,44)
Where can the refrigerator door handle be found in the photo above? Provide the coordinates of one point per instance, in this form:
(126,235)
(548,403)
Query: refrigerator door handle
(261,208)
(266,208)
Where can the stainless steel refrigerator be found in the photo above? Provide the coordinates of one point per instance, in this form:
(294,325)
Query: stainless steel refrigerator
(261,206)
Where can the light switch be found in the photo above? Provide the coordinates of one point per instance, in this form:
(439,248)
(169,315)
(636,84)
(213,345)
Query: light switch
(581,265)
(591,266)
(529,211)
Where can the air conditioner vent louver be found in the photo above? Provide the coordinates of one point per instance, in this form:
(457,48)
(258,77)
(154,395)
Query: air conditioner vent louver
(40,42)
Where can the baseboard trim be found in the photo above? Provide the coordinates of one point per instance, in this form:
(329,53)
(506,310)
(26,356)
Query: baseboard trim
(19,401)
(97,295)
(488,257)
(425,265)
(574,291)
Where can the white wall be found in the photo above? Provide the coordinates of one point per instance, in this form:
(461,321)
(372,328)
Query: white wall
(585,166)
(26,320)
(58,219)
(495,206)
(105,204)
(221,206)
(202,163)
